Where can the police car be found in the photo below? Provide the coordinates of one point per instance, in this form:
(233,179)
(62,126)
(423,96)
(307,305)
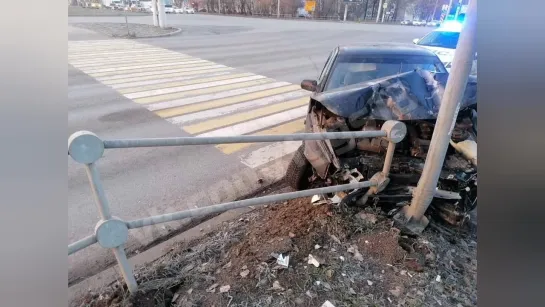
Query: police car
(442,41)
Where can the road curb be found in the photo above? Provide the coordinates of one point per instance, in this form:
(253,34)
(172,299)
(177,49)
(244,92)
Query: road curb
(269,176)
(178,30)
(112,274)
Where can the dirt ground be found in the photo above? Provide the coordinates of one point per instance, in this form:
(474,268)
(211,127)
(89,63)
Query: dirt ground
(361,258)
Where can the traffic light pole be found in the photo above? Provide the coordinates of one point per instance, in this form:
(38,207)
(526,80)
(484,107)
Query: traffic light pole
(412,217)
(345,10)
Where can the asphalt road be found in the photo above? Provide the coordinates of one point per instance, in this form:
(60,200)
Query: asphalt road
(147,181)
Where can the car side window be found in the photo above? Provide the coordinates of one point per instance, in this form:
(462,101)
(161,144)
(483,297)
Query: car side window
(327,67)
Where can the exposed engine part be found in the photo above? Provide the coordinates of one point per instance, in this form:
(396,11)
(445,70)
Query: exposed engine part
(373,145)
(426,130)
(337,124)
(377,145)
(462,130)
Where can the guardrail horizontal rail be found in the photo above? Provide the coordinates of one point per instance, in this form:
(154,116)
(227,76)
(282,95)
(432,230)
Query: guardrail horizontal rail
(182,141)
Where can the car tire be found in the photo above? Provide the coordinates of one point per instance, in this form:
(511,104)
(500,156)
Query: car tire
(298,170)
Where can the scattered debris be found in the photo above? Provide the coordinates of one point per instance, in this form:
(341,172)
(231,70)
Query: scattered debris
(336,199)
(396,292)
(225,288)
(438,278)
(327,304)
(244,273)
(317,246)
(276,286)
(212,288)
(283,261)
(315,199)
(367,218)
(175,297)
(353,249)
(313,261)
(247,254)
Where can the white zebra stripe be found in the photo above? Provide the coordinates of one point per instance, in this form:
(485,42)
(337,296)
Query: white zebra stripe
(207,97)
(258,124)
(269,153)
(221,111)
(191,87)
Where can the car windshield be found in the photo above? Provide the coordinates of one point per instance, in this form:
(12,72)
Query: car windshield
(440,39)
(350,70)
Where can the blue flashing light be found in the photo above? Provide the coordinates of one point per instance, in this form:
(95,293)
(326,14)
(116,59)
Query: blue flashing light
(451,26)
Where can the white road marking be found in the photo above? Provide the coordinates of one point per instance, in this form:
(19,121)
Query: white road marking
(158,81)
(258,124)
(221,111)
(92,71)
(191,87)
(214,96)
(122,62)
(157,72)
(269,153)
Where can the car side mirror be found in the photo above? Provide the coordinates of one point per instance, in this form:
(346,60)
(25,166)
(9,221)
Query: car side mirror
(415,41)
(309,85)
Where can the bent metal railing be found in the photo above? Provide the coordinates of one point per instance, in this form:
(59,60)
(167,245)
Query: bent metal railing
(112,232)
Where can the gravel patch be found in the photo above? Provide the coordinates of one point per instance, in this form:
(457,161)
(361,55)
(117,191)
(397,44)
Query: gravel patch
(119,30)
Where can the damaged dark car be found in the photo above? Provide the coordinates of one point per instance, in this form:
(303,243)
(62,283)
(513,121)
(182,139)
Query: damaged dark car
(359,89)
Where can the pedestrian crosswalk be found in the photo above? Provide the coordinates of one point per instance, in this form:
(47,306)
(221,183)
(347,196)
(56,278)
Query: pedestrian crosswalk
(202,98)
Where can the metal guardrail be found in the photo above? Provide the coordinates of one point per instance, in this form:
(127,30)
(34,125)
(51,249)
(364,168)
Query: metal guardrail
(112,232)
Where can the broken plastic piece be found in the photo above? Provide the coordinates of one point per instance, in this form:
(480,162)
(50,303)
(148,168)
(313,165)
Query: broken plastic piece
(283,261)
(327,304)
(315,198)
(225,288)
(313,261)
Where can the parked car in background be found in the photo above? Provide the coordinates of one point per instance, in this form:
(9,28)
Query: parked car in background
(433,23)
(419,23)
(178,10)
(169,9)
(189,10)
(407,23)
(443,41)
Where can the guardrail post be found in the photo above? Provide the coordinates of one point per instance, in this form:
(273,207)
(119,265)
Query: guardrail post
(86,147)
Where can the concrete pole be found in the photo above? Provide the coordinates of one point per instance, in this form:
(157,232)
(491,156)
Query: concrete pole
(155,13)
(219,6)
(345,11)
(379,10)
(278,9)
(413,216)
(383,14)
(162,15)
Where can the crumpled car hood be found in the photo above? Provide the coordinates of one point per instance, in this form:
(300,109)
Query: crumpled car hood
(414,95)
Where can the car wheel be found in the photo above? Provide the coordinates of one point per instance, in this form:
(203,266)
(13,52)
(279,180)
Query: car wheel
(298,170)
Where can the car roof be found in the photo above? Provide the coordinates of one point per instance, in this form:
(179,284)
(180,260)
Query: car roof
(449,26)
(383,49)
